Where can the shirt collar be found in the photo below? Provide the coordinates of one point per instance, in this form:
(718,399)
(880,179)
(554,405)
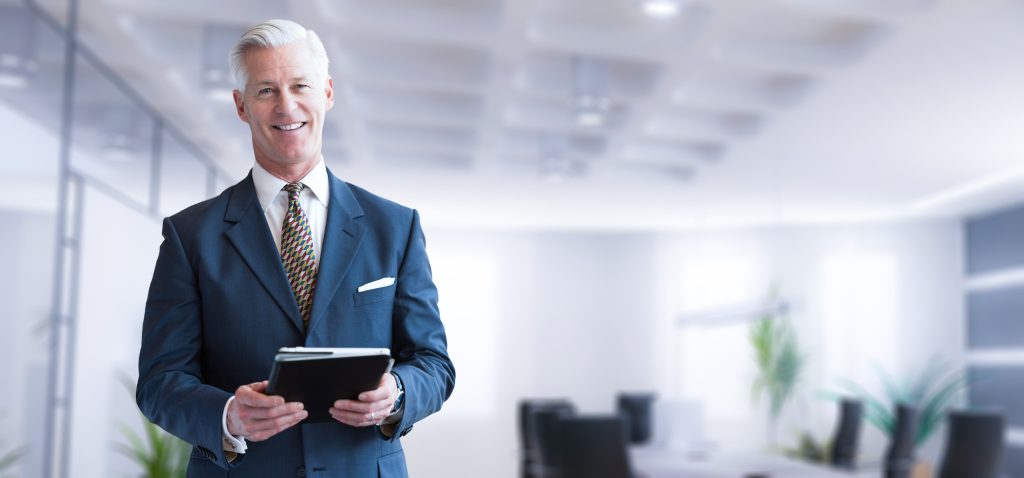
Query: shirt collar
(268,186)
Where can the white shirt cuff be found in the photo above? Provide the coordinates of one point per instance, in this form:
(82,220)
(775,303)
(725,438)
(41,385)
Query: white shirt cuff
(231,442)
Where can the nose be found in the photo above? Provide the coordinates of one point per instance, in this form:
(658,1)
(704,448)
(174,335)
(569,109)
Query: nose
(285,103)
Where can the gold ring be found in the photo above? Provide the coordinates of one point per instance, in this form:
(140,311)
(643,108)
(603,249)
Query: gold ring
(372,416)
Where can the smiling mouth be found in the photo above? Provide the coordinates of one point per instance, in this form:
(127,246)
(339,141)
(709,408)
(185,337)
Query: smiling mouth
(290,126)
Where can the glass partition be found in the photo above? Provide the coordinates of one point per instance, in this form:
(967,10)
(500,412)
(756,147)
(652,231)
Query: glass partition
(30,112)
(112,140)
(183,176)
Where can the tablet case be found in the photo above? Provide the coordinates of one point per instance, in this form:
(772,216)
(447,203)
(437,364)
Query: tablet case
(318,382)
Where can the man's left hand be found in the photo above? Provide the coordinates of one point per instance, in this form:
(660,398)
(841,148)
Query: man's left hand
(372,406)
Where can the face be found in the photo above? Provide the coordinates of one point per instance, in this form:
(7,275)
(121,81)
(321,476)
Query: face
(284,103)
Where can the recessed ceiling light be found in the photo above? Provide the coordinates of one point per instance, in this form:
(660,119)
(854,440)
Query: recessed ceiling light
(591,110)
(558,168)
(9,80)
(661,8)
(589,118)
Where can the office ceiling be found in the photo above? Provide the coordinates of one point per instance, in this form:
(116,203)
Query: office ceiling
(593,113)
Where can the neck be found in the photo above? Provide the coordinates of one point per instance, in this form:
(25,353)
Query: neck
(289,173)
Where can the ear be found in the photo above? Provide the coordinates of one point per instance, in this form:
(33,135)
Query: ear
(240,106)
(330,92)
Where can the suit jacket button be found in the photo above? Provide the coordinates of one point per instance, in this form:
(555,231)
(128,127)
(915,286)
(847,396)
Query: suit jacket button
(301,472)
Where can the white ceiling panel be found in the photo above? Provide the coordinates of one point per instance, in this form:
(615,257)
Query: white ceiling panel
(375,56)
(552,75)
(870,105)
(801,39)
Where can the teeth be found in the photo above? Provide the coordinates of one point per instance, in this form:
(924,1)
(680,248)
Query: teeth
(289,127)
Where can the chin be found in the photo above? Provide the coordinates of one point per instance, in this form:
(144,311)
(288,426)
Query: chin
(296,157)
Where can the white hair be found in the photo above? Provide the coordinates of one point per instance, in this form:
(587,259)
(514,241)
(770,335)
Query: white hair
(272,34)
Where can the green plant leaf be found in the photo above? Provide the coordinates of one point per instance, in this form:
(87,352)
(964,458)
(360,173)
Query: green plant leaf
(920,387)
(12,457)
(135,449)
(158,453)
(933,391)
(779,362)
(893,391)
(934,410)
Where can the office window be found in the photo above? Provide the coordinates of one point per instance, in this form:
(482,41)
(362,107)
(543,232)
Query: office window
(860,312)
(716,365)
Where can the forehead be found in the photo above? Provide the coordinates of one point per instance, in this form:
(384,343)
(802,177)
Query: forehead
(280,63)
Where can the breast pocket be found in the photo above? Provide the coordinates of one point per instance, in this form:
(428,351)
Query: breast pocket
(374,295)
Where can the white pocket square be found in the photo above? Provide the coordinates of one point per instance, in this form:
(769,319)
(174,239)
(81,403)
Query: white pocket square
(377,284)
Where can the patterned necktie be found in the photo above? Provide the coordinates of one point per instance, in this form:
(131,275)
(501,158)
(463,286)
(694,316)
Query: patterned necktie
(297,253)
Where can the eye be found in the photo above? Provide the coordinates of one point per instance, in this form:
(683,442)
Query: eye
(302,86)
(264,91)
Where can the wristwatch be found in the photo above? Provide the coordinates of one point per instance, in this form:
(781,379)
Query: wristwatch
(400,400)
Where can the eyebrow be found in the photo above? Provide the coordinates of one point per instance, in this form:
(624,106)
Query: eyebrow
(293,79)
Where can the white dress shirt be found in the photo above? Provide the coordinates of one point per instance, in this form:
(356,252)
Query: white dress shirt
(274,201)
(313,199)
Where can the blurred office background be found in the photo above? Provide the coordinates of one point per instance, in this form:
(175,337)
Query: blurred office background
(613,191)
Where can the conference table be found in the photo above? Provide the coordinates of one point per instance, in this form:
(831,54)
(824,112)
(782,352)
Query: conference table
(664,462)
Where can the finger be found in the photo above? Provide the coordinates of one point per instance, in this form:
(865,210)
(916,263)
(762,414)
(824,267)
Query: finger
(357,406)
(358,419)
(348,418)
(265,429)
(259,386)
(360,415)
(380,393)
(271,425)
(244,422)
(263,413)
(278,423)
(365,407)
(253,397)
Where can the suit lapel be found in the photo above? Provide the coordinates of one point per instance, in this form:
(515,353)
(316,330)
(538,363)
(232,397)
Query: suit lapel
(342,238)
(251,237)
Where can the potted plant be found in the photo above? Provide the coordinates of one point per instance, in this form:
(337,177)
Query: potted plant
(159,454)
(779,366)
(809,449)
(10,458)
(933,392)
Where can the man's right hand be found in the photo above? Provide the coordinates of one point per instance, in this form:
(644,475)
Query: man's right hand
(256,417)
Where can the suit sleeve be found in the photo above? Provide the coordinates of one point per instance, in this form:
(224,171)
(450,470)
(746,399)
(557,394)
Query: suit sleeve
(170,391)
(418,338)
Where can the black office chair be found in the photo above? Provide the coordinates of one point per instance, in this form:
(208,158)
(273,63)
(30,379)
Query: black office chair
(636,411)
(899,459)
(974,446)
(593,447)
(535,426)
(847,437)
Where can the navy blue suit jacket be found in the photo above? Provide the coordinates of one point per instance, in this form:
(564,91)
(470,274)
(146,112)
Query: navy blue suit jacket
(220,306)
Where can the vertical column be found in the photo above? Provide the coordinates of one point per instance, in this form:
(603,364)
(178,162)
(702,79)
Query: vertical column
(58,417)
(156,158)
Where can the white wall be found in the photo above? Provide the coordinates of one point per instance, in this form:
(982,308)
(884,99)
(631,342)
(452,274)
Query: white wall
(120,248)
(26,255)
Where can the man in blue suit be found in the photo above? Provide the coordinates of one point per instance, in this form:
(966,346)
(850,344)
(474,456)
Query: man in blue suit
(289,256)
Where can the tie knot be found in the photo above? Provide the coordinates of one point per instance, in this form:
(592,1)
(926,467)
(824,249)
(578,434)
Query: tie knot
(294,188)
